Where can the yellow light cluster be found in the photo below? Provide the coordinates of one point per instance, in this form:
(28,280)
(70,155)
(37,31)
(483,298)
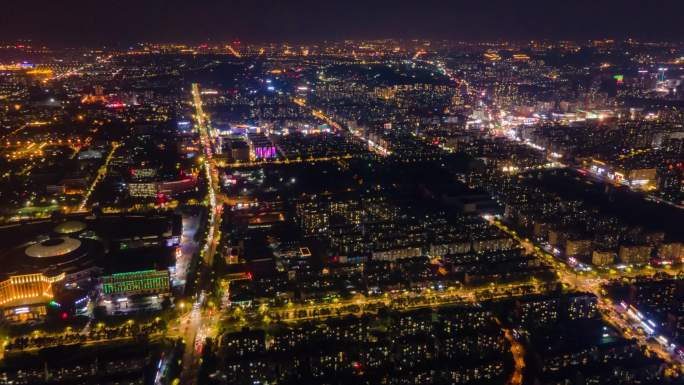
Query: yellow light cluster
(10,67)
(40,71)
(492,56)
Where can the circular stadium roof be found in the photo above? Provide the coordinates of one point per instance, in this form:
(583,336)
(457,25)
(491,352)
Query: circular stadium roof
(54,247)
(70,227)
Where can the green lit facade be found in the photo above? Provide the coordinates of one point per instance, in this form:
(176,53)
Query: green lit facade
(136,282)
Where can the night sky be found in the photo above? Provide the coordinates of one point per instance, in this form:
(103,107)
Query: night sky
(125,21)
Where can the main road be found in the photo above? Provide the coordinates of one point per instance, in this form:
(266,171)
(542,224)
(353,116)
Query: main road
(356,133)
(195,326)
(211,171)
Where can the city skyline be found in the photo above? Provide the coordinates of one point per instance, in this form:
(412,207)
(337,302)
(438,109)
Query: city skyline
(334,193)
(127,22)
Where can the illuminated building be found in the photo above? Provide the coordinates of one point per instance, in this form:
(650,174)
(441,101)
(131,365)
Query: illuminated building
(154,188)
(261,147)
(538,311)
(41,73)
(671,181)
(27,287)
(602,258)
(136,282)
(265,152)
(140,190)
(243,344)
(638,254)
(577,247)
(493,244)
(491,56)
(413,340)
(636,176)
(54,247)
(582,306)
(521,57)
(449,248)
(672,251)
(23,297)
(143,290)
(70,227)
(14,67)
(398,253)
(63,251)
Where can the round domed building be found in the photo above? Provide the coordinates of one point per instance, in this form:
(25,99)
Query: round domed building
(53,247)
(70,227)
(37,256)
